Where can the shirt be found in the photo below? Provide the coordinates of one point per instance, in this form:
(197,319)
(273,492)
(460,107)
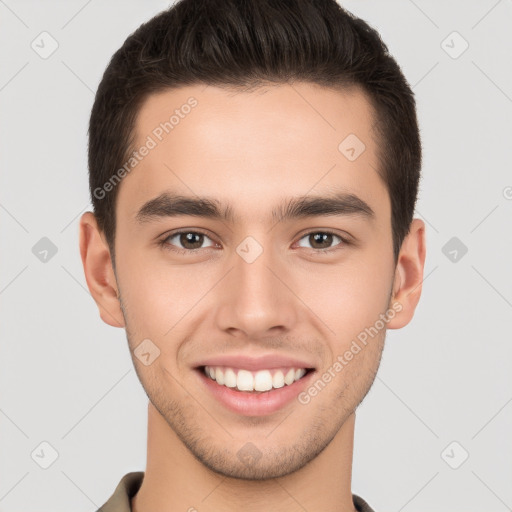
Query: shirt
(131,482)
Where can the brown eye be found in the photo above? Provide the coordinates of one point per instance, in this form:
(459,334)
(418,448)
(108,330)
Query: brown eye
(187,240)
(319,240)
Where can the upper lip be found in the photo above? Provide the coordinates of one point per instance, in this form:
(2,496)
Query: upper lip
(267,361)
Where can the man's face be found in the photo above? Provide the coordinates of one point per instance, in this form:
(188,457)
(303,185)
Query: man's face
(255,284)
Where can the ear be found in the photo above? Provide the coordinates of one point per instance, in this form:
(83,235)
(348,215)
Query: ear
(408,275)
(99,272)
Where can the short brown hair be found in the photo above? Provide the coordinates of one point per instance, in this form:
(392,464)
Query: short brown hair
(243,44)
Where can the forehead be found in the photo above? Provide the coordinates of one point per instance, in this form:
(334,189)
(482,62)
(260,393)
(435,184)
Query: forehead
(249,149)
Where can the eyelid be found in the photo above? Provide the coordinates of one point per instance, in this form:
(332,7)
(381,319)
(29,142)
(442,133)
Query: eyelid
(162,241)
(345,240)
(331,231)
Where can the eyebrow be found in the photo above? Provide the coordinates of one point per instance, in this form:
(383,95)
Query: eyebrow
(172,205)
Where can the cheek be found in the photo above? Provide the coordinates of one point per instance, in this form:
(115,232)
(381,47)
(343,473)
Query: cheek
(160,298)
(351,297)
(157,296)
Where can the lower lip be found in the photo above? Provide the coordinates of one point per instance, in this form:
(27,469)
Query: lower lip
(255,404)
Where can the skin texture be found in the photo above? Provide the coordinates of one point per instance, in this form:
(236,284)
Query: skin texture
(253,150)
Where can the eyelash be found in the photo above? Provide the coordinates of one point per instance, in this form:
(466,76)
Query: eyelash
(163,242)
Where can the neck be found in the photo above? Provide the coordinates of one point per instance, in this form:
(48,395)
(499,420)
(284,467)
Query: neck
(176,480)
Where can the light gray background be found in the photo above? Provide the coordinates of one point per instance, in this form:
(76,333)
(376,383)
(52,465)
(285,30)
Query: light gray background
(67,379)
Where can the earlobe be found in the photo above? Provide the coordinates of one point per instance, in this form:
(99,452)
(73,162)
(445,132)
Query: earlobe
(99,272)
(408,275)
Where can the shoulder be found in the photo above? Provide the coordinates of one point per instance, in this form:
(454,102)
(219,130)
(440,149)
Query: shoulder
(360,504)
(126,489)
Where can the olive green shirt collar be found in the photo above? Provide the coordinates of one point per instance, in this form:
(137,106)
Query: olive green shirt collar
(131,482)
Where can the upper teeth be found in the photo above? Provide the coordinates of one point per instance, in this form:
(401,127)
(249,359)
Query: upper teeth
(262,380)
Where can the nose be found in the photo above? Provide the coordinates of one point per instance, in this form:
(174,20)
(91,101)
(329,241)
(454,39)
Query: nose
(257,299)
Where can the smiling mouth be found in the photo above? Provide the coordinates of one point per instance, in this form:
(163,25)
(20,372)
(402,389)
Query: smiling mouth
(254,382)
